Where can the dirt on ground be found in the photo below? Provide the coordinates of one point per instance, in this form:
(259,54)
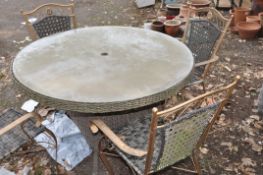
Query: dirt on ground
(234,145)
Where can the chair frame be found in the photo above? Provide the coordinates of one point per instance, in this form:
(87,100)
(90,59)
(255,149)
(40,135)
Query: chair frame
(26,15)
(99,125)
(213,58)
(22,120)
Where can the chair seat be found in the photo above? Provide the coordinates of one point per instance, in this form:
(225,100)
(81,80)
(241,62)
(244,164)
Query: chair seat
(136,135)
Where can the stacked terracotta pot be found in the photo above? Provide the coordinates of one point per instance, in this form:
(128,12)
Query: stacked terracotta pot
(246,26)
(170,21)
(260,15)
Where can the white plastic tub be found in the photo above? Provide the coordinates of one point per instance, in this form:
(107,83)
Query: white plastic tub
(144,3)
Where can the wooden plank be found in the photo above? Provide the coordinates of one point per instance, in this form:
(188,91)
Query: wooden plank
(17,122)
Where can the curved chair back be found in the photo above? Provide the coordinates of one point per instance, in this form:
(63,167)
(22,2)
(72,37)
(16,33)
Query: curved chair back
(49,19)
(186,129)
(180,137)
(204,34)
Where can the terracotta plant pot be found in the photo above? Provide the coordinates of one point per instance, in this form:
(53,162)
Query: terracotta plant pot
(172,27)
(248,30)
(260,16)
(253,19)
(257,6)
(168,17)
(199,3)
(240,14)
(157,26)
(184,11)
(233,28)
(231,12)
(173,9)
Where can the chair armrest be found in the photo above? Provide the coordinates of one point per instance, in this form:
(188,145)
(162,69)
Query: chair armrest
(115,139)
(214,59)
(20,120)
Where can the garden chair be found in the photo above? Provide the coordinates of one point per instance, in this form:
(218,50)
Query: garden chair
(49,19)
(21,121)
(203,35)
(151,144)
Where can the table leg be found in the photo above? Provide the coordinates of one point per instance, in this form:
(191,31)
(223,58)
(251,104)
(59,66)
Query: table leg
(92,164)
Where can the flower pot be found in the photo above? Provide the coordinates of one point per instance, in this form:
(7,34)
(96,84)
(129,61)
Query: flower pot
(231,12)
(240,14)
(184,11)
(257,6)
(199,3)
(173,9)
(248,30)
(168,17)
(172,27)
(252,19)
(157,26)
(260,15)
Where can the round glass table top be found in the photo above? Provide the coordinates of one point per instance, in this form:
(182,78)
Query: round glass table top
(103,64)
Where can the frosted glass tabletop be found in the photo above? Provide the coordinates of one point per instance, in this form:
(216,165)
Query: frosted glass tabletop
(102,65)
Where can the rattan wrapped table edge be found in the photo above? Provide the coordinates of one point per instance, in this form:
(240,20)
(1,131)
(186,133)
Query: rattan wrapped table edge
(102,107)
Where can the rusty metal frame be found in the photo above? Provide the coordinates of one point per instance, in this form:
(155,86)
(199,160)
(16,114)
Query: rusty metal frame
(213,58)
(22,120)
(153,128)
(156,114)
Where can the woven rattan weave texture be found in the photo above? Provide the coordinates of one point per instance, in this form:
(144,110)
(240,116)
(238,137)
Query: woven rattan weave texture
(13,139)
(203,36)
(174,141)
(102,107)
(52,24)
(181,136)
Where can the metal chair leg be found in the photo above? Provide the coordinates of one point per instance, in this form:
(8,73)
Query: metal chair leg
(183,169)
(203,85)
(196,164)
(25,132)
(103,158)
(50,133)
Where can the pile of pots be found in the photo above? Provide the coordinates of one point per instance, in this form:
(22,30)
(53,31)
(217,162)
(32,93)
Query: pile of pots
(246,25)
(170,20)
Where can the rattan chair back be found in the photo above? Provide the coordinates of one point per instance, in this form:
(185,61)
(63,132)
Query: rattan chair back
(204,34)
(49,19)
(180,137)
(186,130)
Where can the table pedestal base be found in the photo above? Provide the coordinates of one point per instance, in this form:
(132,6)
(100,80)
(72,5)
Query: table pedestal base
(92,165)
